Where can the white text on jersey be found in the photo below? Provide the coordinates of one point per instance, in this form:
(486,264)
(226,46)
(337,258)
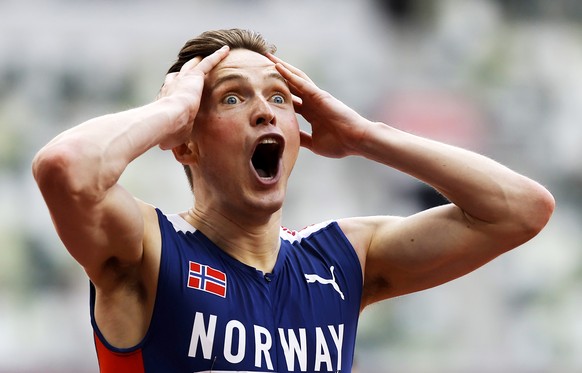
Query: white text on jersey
(293,343)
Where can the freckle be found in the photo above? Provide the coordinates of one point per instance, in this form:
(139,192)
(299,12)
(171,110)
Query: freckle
(412,240)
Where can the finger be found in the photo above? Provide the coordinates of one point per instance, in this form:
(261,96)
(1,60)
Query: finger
(170,77)
(212,60)
(168,80)
(297,84)
(273,58)
(289,67)
(190,64)
(297,101)
(297,104)
(305,140)
(296,93)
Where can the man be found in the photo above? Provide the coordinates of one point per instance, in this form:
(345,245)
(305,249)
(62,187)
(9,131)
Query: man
(222,287)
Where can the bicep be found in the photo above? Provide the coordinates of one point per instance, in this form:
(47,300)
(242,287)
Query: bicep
(93,231)
(405,255)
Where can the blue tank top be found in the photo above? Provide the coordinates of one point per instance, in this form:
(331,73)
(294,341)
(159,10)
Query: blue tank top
(215,314)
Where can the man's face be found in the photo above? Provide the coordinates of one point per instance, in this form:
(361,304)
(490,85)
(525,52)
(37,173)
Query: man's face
(246,134)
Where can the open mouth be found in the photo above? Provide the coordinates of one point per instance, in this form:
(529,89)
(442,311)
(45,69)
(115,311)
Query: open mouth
(265,159)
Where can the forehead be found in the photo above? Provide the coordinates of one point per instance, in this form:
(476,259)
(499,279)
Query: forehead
(242,61)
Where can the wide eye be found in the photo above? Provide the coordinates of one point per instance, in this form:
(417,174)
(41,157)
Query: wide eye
(231,100)
(278,99)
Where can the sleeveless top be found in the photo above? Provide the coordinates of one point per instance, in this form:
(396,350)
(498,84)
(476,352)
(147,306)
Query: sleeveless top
(213,313)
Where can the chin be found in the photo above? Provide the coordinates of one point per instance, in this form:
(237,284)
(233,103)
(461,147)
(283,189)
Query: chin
(271,206)
(267,204)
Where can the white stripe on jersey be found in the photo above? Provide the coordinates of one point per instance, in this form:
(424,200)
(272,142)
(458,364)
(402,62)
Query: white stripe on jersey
(180,225)
(293,236)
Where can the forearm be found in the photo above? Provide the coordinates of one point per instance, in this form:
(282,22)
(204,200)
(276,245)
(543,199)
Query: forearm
(481,187)
(91,157)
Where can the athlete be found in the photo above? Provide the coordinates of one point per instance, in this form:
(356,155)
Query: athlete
(222,287)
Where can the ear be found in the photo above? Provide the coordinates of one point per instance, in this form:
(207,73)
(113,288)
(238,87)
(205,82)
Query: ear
(185,153)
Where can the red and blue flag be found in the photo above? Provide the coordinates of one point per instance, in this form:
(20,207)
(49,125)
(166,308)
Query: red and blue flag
(206,278)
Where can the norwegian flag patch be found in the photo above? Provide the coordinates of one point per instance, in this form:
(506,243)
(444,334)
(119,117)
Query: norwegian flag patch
(206,278)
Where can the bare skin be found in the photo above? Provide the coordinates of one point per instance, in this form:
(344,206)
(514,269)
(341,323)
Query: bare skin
(232,100)
(494,209)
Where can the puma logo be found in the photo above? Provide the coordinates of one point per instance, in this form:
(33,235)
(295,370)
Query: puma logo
(316,278)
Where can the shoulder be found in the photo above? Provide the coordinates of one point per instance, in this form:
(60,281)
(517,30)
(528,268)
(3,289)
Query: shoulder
(325,240)
(303,233)
(360,231)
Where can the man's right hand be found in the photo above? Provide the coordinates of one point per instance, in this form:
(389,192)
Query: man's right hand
(183,90)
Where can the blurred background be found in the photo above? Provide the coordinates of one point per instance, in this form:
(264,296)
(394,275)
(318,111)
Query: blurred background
(503,78)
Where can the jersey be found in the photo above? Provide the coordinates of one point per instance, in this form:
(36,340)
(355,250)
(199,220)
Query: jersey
(213,313)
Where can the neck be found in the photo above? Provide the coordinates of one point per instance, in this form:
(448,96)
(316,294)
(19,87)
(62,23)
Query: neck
(254,242)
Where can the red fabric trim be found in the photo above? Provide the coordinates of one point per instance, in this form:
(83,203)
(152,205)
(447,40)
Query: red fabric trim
(116,362)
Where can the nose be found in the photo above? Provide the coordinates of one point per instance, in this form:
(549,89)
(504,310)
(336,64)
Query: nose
(263,113)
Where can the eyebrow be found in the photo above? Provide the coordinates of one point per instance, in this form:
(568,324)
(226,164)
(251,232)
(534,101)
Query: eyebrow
(237,76)
(276,75)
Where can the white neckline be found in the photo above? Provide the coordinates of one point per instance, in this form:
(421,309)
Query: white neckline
(180,224)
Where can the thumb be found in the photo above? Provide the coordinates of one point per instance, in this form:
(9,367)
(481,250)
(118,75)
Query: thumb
(306,140)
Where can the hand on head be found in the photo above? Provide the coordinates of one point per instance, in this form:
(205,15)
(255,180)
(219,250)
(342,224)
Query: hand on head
(185,88)
(336,129)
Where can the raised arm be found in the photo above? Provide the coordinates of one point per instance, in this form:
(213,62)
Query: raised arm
(493,209)
(77,172)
